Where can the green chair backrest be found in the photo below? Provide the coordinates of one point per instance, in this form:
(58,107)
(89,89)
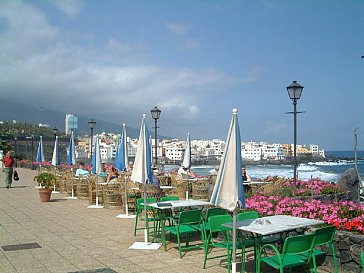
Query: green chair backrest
(247,215)
(214,211)
(217,221)
(169,198)
(141,200)
(362,260)
(298,244)
(324,235)
(188,217)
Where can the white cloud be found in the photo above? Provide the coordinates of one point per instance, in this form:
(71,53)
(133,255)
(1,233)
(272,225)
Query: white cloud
(177,28)
(272,129)
(70,7)
(38,64)
(189,44)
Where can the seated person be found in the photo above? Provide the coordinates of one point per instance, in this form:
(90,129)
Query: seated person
(185,172)
(113,175)
(81,170)
(155,179)
(246,178)
(129,168)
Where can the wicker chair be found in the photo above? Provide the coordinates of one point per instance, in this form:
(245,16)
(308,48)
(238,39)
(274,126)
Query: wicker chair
(113,196)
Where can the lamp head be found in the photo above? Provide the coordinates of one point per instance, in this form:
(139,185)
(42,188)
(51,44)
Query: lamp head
(91,124)
(155,113)
(294,91)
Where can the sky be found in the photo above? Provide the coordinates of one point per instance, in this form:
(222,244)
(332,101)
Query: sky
(196,61)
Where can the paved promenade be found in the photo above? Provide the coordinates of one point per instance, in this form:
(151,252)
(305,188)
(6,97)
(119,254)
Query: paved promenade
(66,236)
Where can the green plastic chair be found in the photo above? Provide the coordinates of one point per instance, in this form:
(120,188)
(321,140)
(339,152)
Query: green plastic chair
(247,215)
(206,225)
(324,236)
(296,251)
(362,261)
(140,214)
(166,213)
(188,222)
(216,226)
(213,241)
(169,198)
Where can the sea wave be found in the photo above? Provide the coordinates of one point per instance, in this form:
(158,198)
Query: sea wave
(330,163)
(306,168)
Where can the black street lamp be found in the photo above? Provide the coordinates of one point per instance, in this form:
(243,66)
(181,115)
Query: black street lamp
(15,146)
(91,125)
(32,151)
(55,131)
(294,92)
(155,115)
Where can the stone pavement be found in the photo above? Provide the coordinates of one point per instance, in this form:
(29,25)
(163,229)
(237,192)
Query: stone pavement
(66,236)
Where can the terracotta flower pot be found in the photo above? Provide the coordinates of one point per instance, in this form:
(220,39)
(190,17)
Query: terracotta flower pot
(45,195)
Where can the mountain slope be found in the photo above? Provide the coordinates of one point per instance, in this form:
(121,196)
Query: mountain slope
(34,115)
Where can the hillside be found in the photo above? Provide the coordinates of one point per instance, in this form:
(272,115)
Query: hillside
(34,115)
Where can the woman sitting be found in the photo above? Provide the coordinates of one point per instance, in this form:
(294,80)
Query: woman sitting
(113,175)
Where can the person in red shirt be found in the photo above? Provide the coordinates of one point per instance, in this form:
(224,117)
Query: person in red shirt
(8,168)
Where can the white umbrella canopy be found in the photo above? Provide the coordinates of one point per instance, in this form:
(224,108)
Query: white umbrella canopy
(96,169)
(187,160)
(71,159)
(228,192)
(40,152)
(55,158)
(96,158)
(121,163)
(142,169)
(142,173)
(121,160)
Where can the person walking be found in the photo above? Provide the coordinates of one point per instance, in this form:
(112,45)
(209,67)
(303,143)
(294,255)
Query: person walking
(8,168)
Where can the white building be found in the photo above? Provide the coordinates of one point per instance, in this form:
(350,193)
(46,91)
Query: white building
(314,149)
(251,151)
(71,124)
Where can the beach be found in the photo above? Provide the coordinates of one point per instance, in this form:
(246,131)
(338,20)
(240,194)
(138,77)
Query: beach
(73,238)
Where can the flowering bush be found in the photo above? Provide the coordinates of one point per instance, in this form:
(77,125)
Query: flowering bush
(284,187)
(343,215)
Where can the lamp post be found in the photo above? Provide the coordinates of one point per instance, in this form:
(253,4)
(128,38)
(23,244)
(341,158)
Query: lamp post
(32,151)
(91,125)
(55,131)
(294,92)
(15,146)
(155,115)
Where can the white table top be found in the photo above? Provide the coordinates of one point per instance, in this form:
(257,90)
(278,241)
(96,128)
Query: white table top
(179,204)
(274,224)
(255,182)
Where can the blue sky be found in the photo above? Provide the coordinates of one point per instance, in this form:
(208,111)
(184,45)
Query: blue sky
(196,61)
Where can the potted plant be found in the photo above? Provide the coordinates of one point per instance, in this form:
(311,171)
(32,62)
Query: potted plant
(46,180)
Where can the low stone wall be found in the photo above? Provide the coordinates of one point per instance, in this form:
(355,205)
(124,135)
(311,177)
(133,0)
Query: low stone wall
(348,247)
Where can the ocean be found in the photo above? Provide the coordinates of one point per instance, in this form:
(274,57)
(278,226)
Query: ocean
(329,170)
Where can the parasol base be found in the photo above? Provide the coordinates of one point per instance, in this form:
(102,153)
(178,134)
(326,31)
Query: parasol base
(145,246)
(95,207)
(125,216)
(71,197)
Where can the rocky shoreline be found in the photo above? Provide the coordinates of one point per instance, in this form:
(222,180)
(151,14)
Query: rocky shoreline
(287,161)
